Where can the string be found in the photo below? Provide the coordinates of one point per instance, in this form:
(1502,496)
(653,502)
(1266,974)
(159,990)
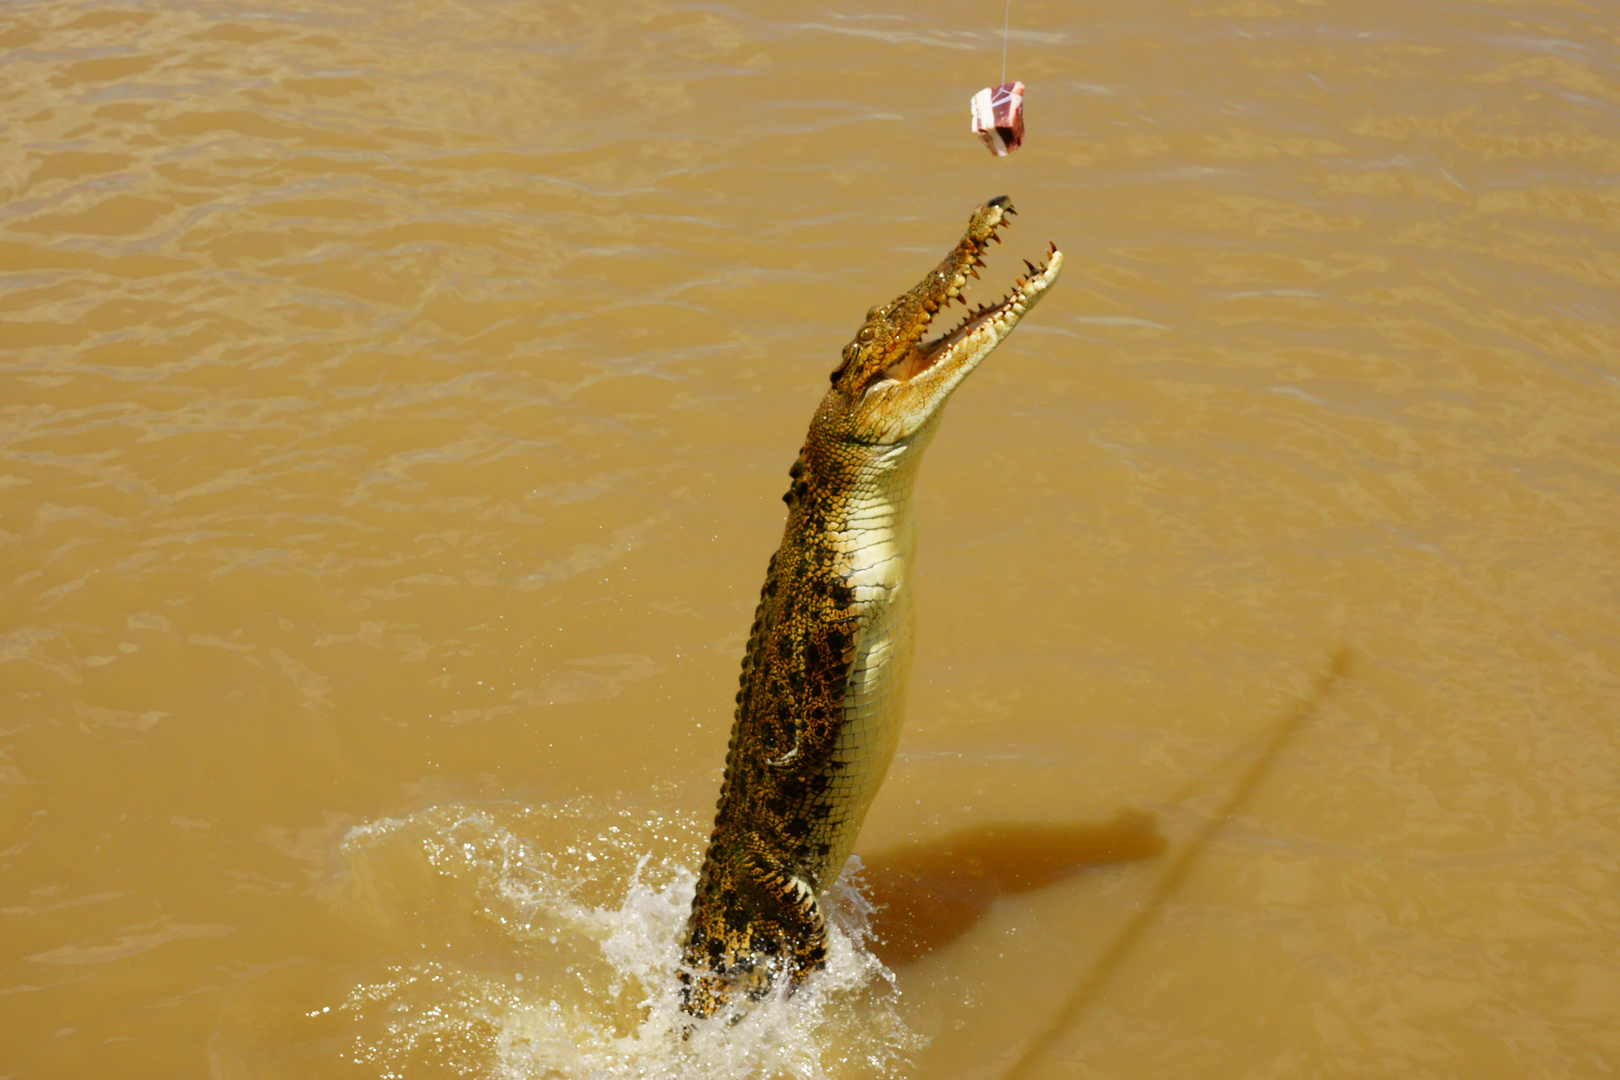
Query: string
(1006,21)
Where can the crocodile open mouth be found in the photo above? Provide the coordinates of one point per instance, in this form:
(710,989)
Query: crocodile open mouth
(996,320)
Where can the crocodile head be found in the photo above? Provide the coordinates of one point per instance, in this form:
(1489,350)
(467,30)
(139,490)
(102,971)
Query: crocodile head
(894,378)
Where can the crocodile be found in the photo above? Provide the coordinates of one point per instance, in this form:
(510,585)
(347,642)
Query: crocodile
(825,670)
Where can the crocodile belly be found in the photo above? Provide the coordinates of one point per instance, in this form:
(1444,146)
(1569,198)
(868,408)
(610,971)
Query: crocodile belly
(874,706)
(875,696)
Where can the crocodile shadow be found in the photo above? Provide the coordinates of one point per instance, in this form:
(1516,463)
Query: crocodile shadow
(930,893)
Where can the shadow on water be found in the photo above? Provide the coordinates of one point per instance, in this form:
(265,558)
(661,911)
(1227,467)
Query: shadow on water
(1263,755)
(931,893)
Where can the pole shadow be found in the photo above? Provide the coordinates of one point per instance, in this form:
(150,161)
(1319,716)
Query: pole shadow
(1091,982)
(928,894)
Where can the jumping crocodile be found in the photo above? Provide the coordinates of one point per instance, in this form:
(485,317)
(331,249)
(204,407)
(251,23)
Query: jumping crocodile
(824,675)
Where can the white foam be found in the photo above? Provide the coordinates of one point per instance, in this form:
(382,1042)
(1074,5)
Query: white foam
(549,941)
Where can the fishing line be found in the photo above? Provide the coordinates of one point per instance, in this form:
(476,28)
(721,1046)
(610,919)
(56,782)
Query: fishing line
(1006,21)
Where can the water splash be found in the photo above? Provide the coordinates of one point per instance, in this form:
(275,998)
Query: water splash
(549,941)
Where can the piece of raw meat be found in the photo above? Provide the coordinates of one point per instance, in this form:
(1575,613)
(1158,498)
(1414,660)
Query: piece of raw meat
(998,117)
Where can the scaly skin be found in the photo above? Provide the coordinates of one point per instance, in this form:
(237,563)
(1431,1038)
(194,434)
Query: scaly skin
(824,675)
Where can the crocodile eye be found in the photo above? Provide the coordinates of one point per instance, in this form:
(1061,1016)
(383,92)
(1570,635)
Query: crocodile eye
(874,312)
(866,335)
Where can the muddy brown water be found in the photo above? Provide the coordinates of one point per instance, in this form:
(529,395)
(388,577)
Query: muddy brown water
(395,402)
